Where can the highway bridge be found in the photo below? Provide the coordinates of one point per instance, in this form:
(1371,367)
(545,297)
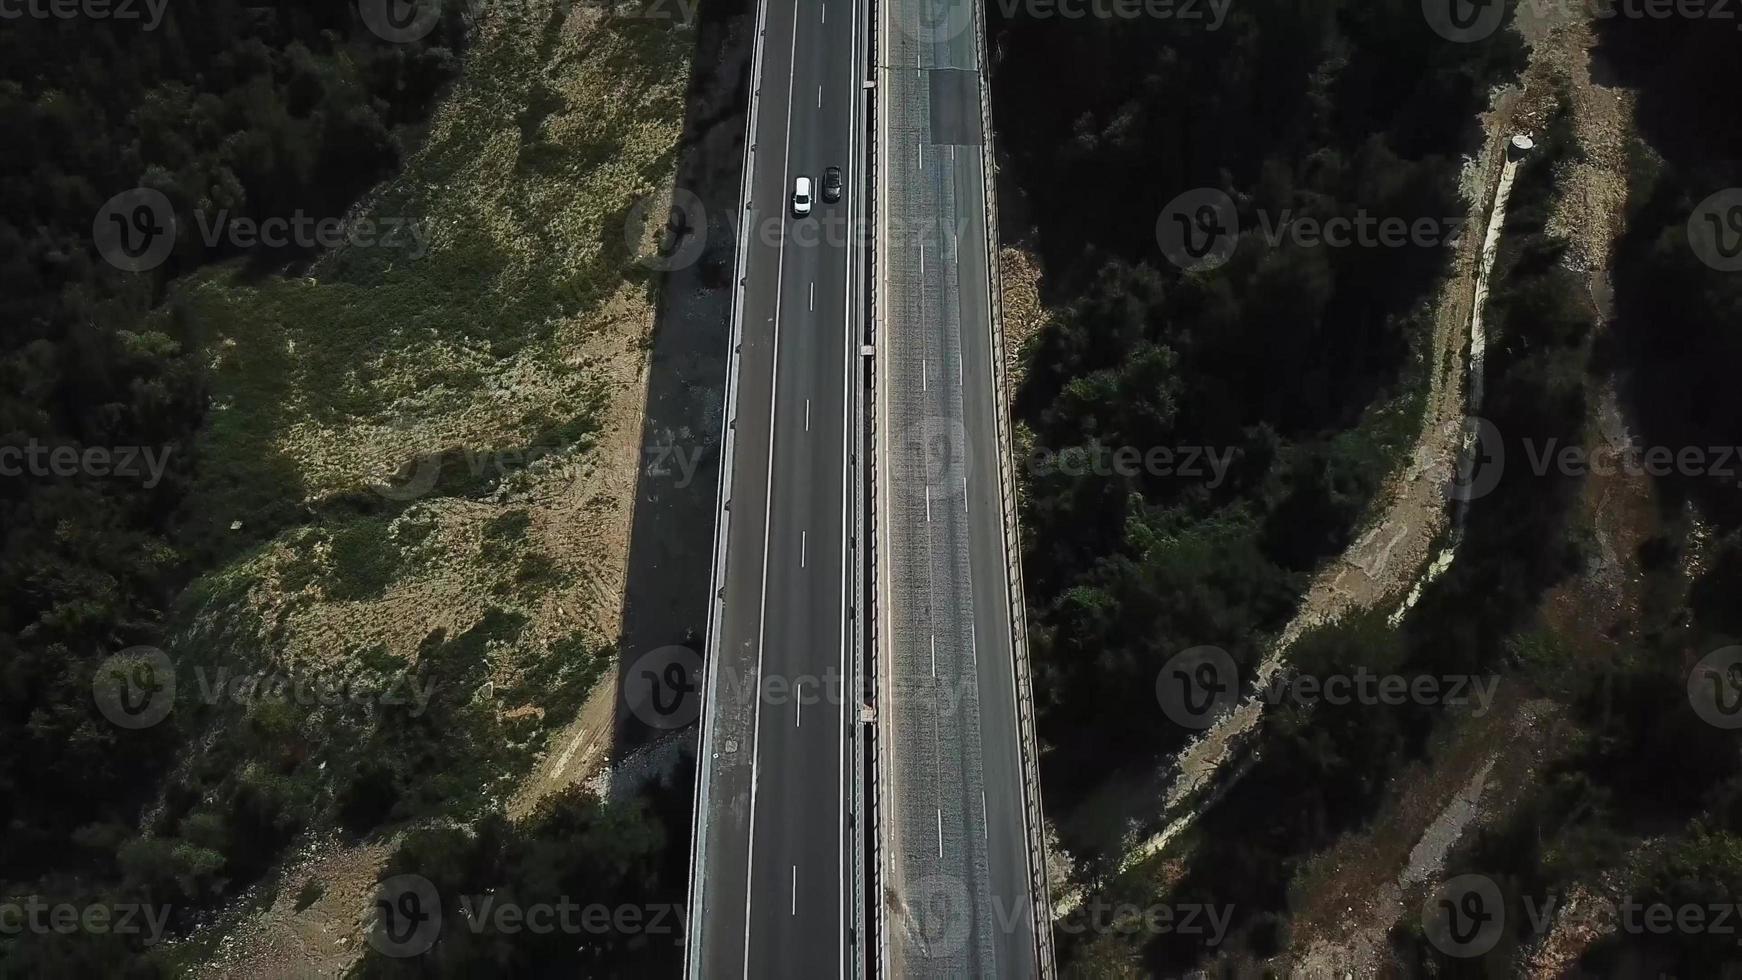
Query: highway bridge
(866,793)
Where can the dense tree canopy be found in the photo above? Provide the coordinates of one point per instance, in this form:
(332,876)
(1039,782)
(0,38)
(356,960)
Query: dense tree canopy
(224,107)
(1300,113)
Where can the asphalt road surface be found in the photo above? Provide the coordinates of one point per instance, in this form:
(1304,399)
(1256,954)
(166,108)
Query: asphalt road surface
(772,887)
(957,890)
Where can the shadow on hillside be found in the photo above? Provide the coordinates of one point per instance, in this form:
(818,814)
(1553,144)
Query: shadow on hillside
(671,540)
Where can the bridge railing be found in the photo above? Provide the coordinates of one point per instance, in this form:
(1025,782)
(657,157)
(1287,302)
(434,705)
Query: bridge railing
(1036,827)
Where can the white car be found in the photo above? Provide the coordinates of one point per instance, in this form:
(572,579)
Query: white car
(801,197)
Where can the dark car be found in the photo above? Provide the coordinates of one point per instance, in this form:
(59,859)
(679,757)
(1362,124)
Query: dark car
(832,184)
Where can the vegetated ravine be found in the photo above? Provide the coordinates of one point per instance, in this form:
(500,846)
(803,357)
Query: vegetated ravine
(1292,354)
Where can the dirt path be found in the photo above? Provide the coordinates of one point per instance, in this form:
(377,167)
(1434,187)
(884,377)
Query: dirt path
(1354,892)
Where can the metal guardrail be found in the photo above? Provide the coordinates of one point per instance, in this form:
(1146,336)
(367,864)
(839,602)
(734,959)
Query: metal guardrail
(878,438)
(1036,842)
(866,826)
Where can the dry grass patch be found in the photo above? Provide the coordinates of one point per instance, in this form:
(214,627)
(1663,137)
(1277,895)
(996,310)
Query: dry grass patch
(425,455)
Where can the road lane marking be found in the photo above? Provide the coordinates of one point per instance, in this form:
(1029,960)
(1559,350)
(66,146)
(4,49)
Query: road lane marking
(964,495)
(922,156)
(767,522)
(984,820)
(807,414)
(940,832)
(819,96)
(923,373)
(795,889)
(813,299)
(934,656)
(928,503)
(802,537)
(798,701)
